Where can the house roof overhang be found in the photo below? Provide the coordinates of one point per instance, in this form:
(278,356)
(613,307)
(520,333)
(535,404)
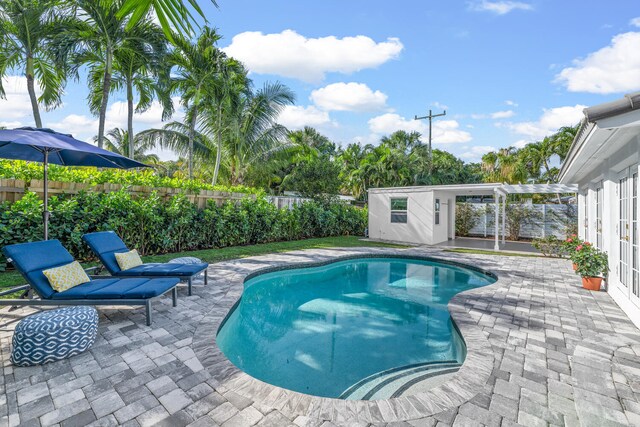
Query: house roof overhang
(605,128)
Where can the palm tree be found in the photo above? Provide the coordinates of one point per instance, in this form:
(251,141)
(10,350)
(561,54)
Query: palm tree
(196,72)
(253,135)
(173,15)
(141,68)
(504,166)
(26,27)
(231,85)
(563,139)
(180,138)
(118,141)
(94,38)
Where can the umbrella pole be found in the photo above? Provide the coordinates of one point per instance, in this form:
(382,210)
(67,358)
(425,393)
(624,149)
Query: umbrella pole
(45,213)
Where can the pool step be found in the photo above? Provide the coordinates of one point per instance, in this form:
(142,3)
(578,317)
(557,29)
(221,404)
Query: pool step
(396,382)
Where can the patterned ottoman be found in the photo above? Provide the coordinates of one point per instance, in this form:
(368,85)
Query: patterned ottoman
(186,260)
(54,335)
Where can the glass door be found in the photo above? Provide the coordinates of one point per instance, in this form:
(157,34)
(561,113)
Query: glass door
(635,248)
(628,230)
(623,230)
(598,223)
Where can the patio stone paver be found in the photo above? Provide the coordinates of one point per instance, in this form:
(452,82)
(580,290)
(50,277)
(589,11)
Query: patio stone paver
(541,351)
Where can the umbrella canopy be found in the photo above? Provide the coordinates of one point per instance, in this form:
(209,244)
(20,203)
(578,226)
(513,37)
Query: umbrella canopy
(47,146)
(30,144)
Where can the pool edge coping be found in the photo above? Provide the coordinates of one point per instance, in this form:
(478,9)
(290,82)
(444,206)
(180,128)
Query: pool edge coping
(470,380)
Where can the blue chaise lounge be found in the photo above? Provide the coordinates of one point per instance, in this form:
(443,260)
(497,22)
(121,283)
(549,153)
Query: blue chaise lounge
(31,259)
(105,244)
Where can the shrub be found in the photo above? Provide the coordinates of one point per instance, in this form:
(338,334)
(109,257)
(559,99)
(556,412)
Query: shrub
(466,218)
(518,216)
(550,246)
(154,225)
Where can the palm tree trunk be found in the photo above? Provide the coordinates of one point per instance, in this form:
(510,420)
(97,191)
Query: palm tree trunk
(32,92)
(130,118)
(219,150)
(192,131)
(106,87)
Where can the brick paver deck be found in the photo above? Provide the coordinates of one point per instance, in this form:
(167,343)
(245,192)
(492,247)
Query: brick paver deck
(541,351)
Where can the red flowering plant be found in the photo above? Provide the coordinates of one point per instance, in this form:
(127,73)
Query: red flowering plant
(590,261)
(570,244)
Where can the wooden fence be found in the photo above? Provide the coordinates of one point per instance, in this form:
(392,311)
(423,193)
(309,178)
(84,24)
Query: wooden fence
(12,190)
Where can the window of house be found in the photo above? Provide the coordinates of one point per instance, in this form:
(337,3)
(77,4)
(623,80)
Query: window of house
(399,210)
(437,211)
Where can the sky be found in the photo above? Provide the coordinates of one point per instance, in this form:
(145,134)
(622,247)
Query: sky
(507,72)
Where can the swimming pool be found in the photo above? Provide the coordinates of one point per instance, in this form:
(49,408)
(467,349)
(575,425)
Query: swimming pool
(363,328)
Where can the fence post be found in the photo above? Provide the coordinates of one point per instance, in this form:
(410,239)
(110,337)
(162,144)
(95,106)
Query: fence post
(484,219)
(544,220)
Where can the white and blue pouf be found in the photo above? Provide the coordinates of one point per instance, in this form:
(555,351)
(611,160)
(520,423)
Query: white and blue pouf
(54,335)
(186,260)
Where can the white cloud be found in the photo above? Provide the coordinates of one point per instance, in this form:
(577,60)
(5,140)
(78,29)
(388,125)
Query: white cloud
(474,154)
(499,7)
(551,120)
(290,54)
(444,131)
(521,143)
(635,22)
(439,105)
(502,114)
(511,103)
(614,68)
(297,117)
(15,110)
(348,97)
(496,116)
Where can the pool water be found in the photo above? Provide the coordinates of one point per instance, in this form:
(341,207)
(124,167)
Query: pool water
(320,330)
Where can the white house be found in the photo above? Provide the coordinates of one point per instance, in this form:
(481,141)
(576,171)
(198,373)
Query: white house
(603,161)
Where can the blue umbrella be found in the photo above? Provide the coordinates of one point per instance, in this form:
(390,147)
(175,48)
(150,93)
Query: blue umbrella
(48,146)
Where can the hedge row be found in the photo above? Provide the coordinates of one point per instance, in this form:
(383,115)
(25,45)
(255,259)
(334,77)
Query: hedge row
(26,171)
(154,226)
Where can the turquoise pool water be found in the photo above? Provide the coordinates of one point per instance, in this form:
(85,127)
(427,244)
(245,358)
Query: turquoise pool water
(320,330)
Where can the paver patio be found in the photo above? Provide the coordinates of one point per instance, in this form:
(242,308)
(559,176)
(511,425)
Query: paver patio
(541,351)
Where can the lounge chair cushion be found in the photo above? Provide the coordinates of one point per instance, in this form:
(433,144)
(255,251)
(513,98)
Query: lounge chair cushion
(106,244)
(112,288)
(66,276)
(128,260)
(32,258)
(168,269)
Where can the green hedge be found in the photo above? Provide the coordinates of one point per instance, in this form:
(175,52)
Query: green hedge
(26,171)
(156,226)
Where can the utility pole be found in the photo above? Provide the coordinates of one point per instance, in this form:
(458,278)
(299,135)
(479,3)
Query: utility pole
(431,116)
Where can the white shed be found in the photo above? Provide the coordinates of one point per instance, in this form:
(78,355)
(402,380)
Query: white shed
(426,215)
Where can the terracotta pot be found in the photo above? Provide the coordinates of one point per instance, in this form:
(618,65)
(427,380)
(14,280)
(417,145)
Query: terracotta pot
(592,283)
(575,266)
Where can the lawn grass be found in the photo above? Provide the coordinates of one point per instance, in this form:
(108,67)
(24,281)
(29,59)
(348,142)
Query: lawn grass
(486,252)
(13,278)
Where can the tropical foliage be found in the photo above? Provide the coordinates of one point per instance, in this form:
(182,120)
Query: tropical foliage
(154,226)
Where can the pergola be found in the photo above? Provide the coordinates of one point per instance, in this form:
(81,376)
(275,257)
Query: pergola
(502,190)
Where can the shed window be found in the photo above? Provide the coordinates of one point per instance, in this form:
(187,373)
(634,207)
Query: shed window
(399,210)
(437,211)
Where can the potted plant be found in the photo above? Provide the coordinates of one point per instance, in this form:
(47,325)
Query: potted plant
(592,265)
(569,246)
